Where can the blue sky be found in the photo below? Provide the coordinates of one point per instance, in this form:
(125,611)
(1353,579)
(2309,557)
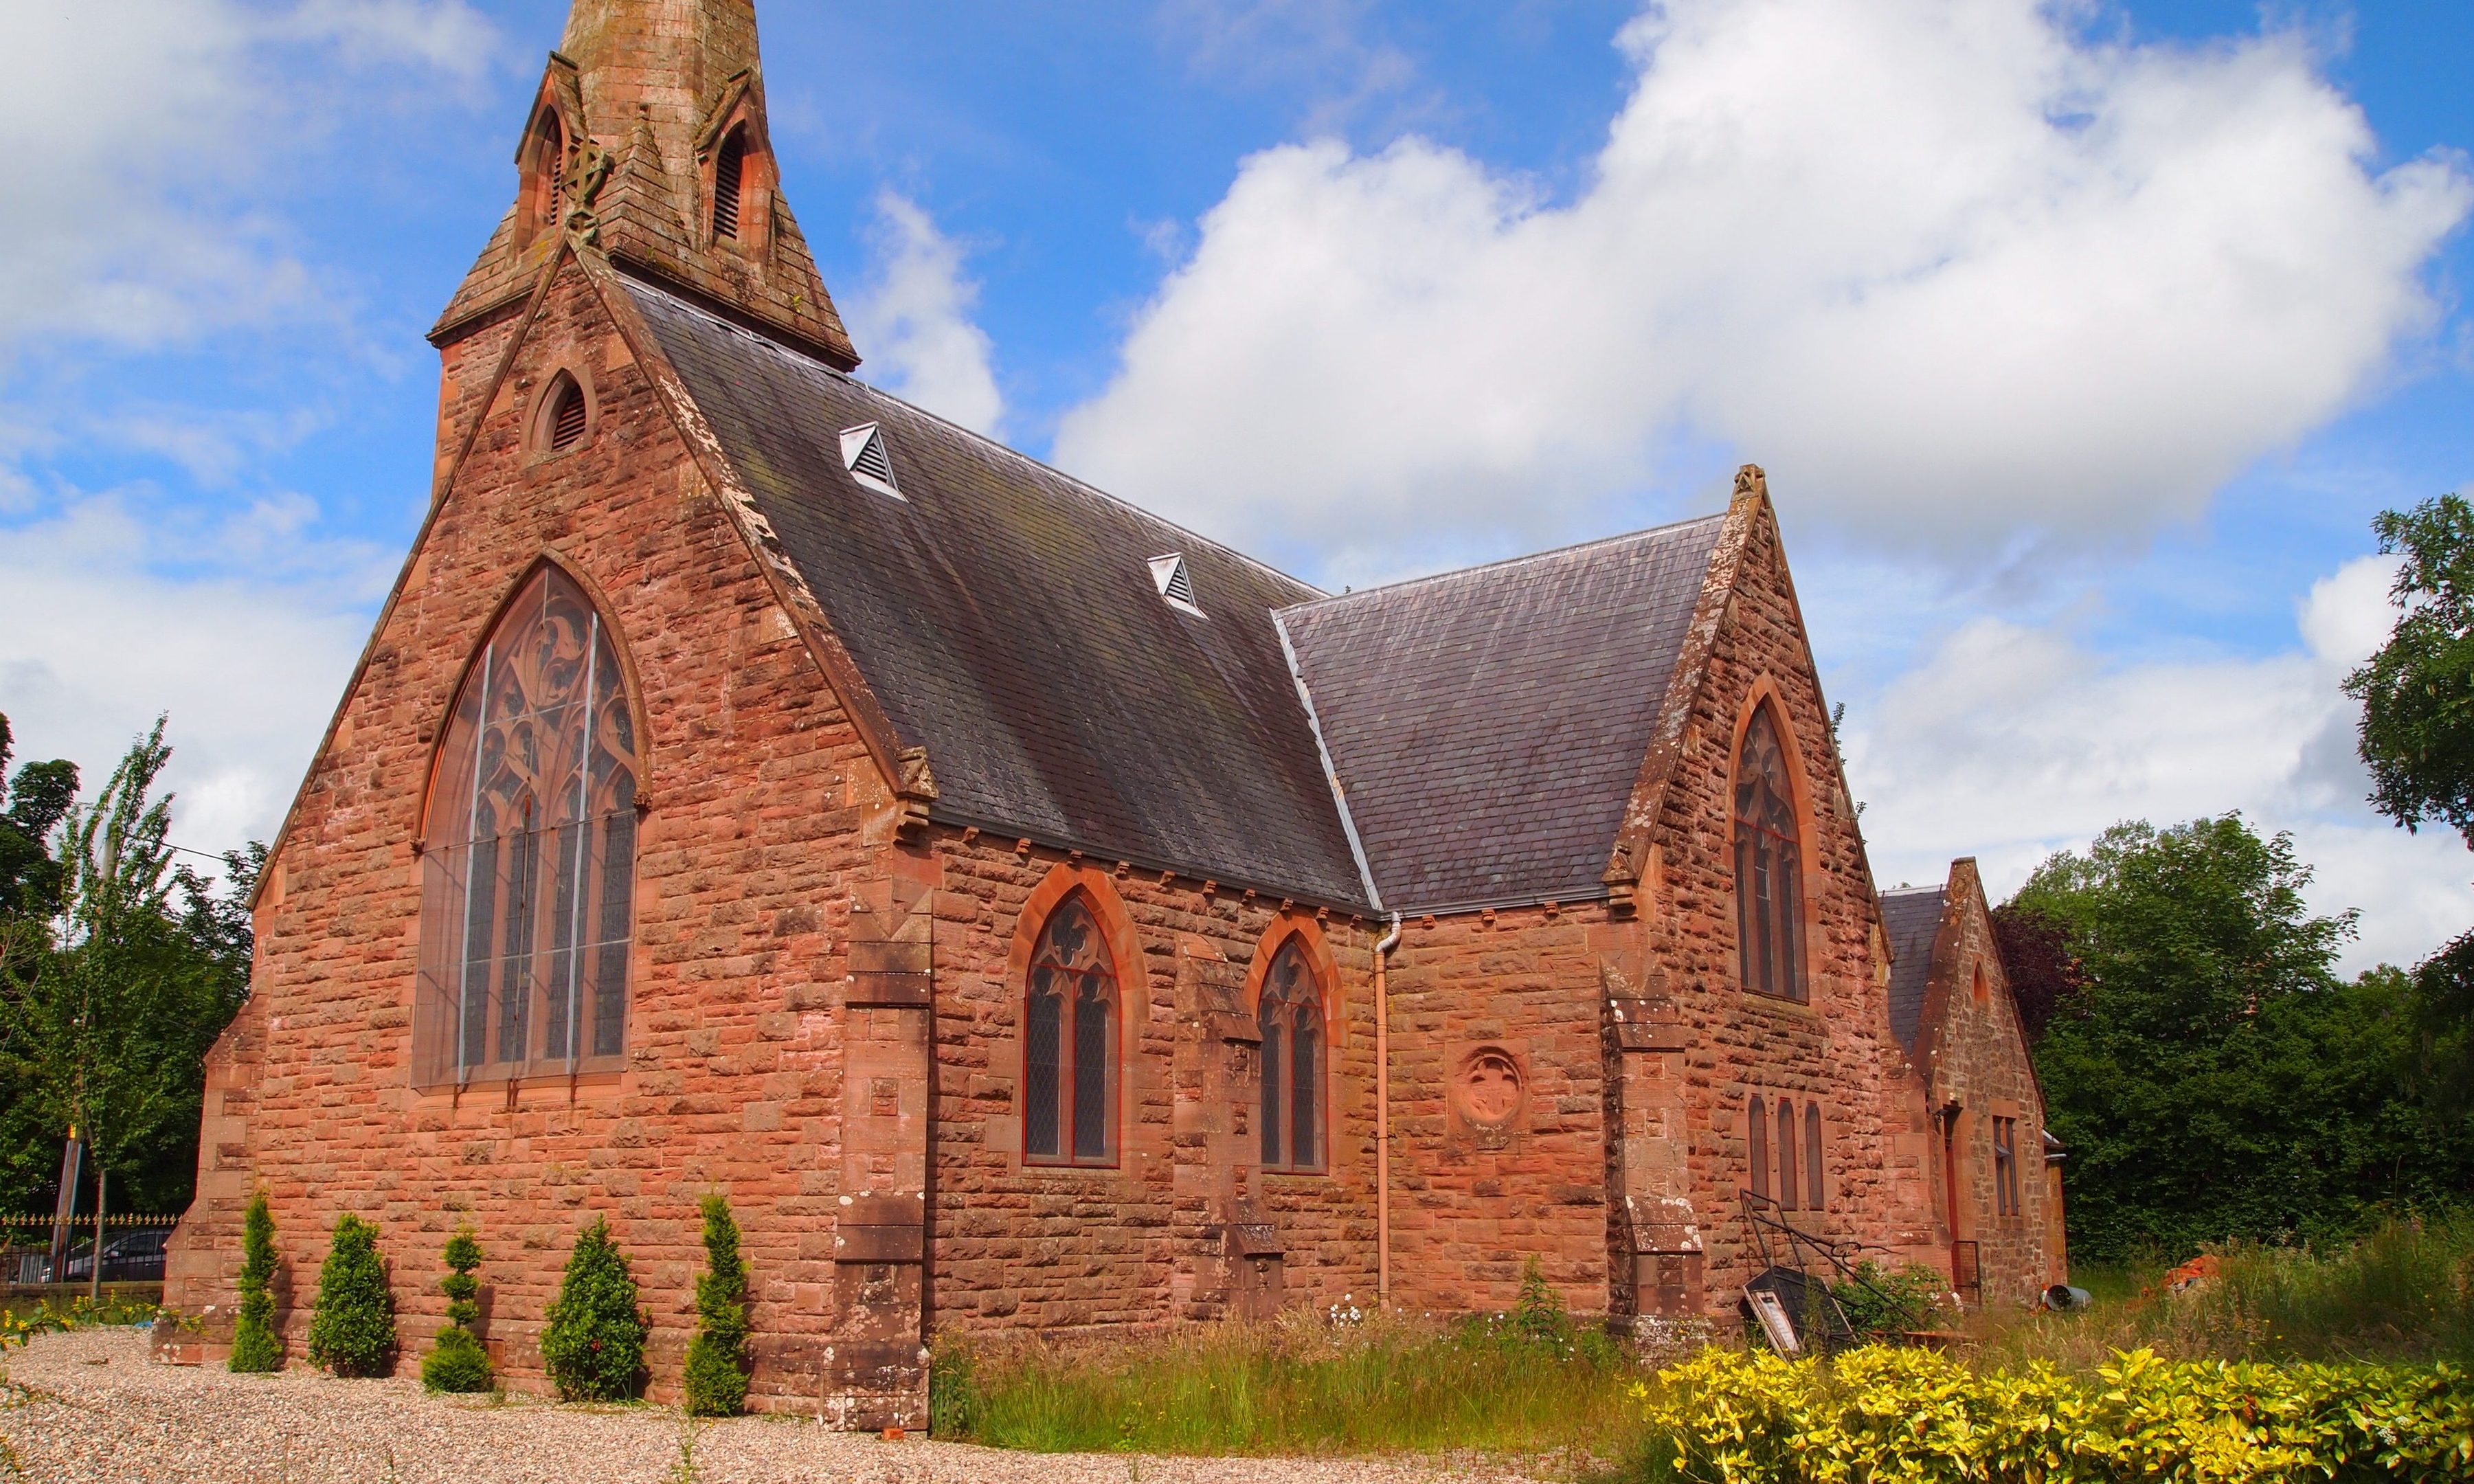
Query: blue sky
(2082,342)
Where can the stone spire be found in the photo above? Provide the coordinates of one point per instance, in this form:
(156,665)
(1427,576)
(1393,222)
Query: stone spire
(646,118)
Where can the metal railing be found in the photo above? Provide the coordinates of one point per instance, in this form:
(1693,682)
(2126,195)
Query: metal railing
(1789,1255)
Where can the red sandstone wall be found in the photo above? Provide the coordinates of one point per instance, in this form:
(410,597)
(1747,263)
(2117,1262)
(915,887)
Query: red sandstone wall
(1831,1049)
(1974,1056)
(1478,1188)
(1015,1245)
(761,804)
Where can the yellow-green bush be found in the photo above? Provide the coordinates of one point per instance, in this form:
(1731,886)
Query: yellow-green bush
(1726,1418)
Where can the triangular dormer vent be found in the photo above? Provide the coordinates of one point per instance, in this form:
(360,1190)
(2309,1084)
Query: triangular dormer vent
(1175,582)
(863,456)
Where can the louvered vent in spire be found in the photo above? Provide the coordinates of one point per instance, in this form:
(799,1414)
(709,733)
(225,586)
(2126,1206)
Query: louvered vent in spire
(864,455)
(568,412)
(729,174)
(1175,582)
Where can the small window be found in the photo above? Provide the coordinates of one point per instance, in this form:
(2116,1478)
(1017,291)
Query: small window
(565,415)
(864,455)
(729,176)
(1069,1043)
(1817,1198)
(1176,583)
(2005,1166)
(1984,990)
(1760,1140)
(1787,1155)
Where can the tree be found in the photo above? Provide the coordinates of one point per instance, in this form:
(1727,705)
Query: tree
(2037,961)
(37,802)
(2417,739)
(718,1359)
(352,1332)
(255,1346)
(2212,1076)
(2418,691)
(107,1009)
(458,1363)
(592,1343)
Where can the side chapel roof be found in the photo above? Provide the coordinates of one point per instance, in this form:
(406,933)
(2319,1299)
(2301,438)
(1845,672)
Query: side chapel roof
(1911,921)
(1487,725)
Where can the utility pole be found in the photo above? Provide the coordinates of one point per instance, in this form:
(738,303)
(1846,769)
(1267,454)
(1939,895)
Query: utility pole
(65,1209)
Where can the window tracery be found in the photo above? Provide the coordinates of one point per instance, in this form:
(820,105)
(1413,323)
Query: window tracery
(1770,886)
(529,850)
(1071,1027)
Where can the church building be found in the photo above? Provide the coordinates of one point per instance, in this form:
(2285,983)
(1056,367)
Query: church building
(1032,916)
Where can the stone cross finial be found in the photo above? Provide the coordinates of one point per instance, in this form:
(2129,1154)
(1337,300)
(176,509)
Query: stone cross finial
(1749,480)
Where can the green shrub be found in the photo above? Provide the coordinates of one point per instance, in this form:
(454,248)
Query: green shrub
(718,1359)
(255,1345)
(352,1332)
(1877,1413)
(1915,1297)
(458,1363)
(594,1342)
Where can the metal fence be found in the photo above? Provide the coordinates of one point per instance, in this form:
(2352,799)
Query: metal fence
(26,1250)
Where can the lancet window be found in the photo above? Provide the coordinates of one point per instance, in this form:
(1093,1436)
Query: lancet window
(1289,1017)
(528,857)
(1769,885)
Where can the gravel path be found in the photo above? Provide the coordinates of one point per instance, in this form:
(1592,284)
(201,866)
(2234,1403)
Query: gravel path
(92,1408)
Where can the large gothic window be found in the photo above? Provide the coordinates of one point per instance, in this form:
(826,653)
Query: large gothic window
(1769,888)
(1069,1043)
(528,859)
(1289,1015)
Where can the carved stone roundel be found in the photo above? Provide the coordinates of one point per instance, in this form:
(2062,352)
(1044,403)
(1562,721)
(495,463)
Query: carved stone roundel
(1490,1086)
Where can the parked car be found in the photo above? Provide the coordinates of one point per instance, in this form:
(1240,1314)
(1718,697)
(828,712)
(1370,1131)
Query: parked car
(129,1257)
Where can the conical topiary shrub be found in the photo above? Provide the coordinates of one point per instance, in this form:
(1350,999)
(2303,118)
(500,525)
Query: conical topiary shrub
(594,1342)
(353,1330)
(458,1363)
(254,1347)
(717,1371)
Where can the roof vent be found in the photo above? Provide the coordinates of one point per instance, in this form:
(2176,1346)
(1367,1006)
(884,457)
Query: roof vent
(863,456)
(1175,582)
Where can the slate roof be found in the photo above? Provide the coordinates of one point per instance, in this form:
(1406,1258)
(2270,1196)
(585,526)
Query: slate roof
(1487,725)
(1006,619)
(1911,921)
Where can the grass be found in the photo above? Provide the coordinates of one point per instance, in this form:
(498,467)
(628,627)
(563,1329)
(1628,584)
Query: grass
(1525,1383)
(2403,1292)
(1532,1384)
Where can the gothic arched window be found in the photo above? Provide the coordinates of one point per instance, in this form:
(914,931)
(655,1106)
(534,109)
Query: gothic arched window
(1816,1192)
(528,857)
(1787,1183)
(1757,1116)
(1770,886)
(1070,1029)
(1290,1014)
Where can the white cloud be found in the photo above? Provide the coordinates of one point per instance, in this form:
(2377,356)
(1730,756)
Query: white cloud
(1944,265)
(2012,742)
(94,640)
(132,128)
(914,321)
